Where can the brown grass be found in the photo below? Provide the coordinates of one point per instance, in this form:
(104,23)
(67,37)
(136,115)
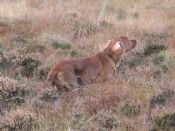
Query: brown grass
(29,28)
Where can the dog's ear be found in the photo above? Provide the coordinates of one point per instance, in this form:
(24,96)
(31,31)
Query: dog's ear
(108,44)
(131,44)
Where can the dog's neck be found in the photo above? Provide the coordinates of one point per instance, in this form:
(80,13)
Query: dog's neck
(115,58)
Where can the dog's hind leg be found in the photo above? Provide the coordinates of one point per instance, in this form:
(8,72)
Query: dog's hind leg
(67,79)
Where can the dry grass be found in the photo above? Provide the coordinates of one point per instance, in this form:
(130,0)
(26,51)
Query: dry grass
(45,31)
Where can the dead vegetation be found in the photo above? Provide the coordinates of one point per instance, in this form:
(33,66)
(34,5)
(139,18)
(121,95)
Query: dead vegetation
(35,34)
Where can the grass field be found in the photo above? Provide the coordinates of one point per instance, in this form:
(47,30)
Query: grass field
(35,34)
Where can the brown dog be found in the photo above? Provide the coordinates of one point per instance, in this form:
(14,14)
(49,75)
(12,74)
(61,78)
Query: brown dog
(96,68)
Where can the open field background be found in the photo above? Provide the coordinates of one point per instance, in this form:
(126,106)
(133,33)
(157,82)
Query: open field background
(35,34)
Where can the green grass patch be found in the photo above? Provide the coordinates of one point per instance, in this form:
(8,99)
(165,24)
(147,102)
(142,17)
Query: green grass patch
(153,49)
(131,110)
(159,58)
(134,62)
(121,15)
(164,67)
(58,45)
(165,123)
(29,65)
(74,53)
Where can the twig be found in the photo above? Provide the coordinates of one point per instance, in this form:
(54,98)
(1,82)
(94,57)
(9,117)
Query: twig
(13,98)
(102,11)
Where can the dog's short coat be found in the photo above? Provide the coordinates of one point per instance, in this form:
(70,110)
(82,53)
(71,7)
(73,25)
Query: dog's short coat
(97,68)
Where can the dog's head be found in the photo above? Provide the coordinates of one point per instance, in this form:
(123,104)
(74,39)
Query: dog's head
(121,44)
(115,48)
(126,43)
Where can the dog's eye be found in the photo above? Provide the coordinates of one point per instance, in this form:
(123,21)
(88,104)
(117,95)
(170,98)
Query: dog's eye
(121,44)
(117,46)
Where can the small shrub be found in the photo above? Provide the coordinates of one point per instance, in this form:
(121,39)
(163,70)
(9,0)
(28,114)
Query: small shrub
(157,100)
(134,62)
(17,119)
(165,123)
(29,65)
(159,71)
(107,122)
(43,72)
(156,73)
(11,92)
(0,46)
(74,53)
(29,62)
(20,39)
(63,46)
(158,58)
(163,67)
(104,24)
(131,110)
(8,85)
(153,49)
(121,14)
(6,60)
(161,99)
